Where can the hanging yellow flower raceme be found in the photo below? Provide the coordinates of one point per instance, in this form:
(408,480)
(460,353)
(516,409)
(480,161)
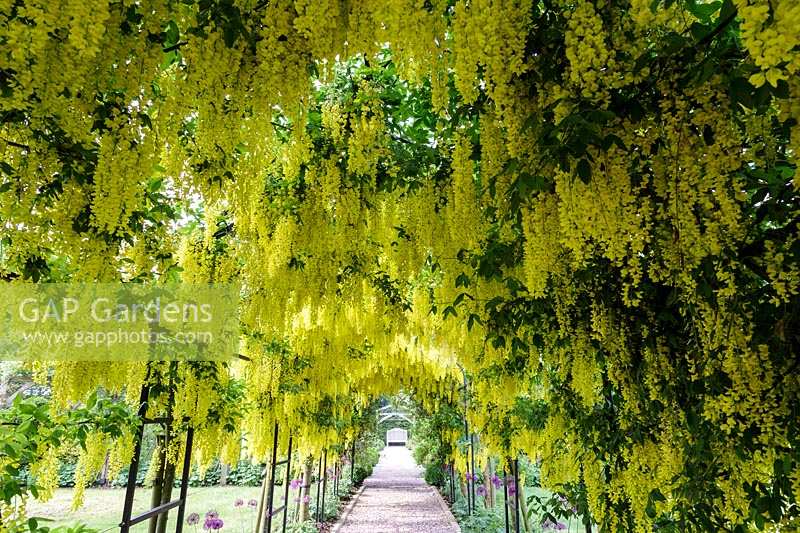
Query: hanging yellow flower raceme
(588,206)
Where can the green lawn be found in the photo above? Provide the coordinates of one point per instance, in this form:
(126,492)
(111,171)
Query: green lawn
(103,507)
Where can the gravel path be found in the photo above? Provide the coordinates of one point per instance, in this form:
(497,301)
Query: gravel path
(395,499)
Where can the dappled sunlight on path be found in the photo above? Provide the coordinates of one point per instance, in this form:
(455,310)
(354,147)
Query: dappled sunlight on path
(396,499)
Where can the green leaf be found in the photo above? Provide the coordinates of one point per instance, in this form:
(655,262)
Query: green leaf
(144,118)
(91,401)
(172,34)
(462,280)
(584,171)
(473,318)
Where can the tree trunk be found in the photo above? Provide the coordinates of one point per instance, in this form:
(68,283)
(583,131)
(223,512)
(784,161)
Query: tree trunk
(305,493)
(166,495)
(523,508)
(487,482)
(158,481)
(104,472)
(223,474)
(262,500)
(3,387)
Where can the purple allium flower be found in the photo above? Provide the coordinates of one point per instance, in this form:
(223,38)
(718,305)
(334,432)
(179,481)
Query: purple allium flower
(212,514)
(481,490)
(252,503)
(238,503)
(512,488)
(193,519)
(213,524)
(306,498)
(295,484)
(496,481)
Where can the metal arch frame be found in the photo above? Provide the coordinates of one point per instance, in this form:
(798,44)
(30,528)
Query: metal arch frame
(127,510)
(394,416)
(267,513)
(322,485)
(389,412)
(470,438)
(130,490)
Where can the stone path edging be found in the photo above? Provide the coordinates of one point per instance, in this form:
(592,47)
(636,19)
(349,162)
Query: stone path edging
(447,511)
(348,509)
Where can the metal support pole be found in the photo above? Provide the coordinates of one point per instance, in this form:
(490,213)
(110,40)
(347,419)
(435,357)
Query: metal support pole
(319,485)
(453,480)
(271,489)
(452,483)
(470,482)
(187,466)
(324,484)
(353,464)
(286,482)
(472,451)
(516,494)
(336,478)
(130,488)
(505,498)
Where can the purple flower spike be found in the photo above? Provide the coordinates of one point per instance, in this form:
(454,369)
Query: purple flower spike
(193,519)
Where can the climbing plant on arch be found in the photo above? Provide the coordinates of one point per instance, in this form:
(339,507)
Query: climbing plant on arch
(591,206)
